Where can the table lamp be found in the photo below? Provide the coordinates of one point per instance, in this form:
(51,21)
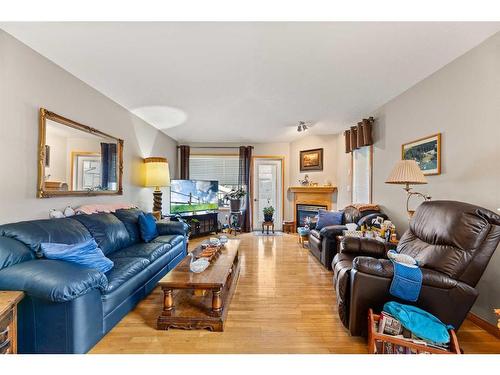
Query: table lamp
(407,172)
(157,175)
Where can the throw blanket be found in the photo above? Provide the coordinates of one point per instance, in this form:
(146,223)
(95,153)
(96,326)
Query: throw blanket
(407,280)
(365,207)
(107,208)
(421,323)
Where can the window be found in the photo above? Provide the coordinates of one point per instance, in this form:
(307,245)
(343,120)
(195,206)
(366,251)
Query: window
(362,175)
(222,168)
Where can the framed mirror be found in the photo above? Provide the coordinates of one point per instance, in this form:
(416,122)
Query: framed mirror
(77,160)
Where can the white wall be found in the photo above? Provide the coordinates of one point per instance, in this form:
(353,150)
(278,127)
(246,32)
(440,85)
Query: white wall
(30,81)
(462,101)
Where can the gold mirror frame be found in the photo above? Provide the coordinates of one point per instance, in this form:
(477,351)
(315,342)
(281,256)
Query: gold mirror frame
(45,115)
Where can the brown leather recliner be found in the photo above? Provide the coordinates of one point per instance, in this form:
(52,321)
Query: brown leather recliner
(452,242)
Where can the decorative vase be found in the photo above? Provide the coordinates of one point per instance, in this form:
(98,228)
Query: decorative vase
(235,205)
(268,217)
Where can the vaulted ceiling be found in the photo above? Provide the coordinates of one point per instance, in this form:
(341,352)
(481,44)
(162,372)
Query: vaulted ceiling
(251,82)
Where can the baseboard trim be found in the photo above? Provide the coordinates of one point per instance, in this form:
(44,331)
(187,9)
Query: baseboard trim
(487,326)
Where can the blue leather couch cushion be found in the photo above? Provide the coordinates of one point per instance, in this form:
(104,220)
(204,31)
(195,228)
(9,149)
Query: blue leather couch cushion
(151,251)
(147,227)
(327,218)
(123,270)
(85,254)
(32,233)
(130,218)
(13,252)
(52,280)
(165,259)
(109,232)
(172,239)
(172,227)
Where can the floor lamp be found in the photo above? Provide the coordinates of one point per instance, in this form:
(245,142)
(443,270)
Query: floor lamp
(407,172)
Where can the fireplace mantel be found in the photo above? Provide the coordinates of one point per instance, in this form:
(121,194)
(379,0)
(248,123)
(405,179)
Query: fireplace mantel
(313,195)
(313,189)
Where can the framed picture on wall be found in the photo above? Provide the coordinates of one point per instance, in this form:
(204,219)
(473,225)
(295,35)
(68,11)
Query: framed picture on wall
(426,152)
(311,160)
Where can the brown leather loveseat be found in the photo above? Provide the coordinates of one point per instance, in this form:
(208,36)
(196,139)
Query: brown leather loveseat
(323,242)
(453,243)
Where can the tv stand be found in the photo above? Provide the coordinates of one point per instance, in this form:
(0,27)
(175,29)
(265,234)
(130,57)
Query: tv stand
(201,223)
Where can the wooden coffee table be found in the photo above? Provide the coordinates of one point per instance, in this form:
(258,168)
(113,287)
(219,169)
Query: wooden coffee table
(200,300)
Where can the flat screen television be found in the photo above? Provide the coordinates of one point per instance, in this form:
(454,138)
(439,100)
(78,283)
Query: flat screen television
(193,195)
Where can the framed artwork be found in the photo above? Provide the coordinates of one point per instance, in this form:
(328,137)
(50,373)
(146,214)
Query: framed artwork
(426,152)
(311,160)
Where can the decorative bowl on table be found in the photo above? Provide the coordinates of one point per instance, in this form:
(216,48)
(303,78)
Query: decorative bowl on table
(199,265)
(223,240)
(214,241)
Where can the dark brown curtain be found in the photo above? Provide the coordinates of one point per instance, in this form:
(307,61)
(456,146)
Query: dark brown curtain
(184,162)
(359,135)
(244,182)
(360,139)
(367,131)
(354,138)
(347,136)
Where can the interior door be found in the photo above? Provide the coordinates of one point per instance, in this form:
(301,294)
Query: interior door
(267,190)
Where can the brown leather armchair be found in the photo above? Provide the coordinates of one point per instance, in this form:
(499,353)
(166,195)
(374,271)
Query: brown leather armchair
(453,243)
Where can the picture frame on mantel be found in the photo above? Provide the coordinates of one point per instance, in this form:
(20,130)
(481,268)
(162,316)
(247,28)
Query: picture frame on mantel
(426,152)
(311,160)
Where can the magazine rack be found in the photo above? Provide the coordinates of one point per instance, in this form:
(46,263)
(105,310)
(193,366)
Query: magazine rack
(374,337)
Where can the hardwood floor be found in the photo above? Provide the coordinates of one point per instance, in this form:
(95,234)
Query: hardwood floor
(284,303)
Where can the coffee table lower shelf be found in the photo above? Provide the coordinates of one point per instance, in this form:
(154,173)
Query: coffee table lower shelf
(196,308)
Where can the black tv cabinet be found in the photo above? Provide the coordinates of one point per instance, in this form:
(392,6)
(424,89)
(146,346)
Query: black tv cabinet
(201,223)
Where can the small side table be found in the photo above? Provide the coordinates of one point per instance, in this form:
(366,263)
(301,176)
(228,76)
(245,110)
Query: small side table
(8,321)
(288,226)
(266,225)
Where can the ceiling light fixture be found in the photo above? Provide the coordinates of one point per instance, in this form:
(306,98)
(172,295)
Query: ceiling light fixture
(303,126)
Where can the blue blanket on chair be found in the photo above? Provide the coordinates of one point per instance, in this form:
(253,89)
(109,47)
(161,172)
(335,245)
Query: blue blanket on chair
(407,280)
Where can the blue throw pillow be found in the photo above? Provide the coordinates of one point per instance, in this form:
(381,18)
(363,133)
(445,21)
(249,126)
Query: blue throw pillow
(86,254)
(326,218)
(147,227)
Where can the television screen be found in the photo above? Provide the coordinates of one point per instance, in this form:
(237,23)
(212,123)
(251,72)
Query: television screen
(193,195)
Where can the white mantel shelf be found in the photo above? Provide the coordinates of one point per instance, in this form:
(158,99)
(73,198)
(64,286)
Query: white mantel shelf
(312,189)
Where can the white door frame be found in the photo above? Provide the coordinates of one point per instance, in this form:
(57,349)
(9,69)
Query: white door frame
(252,190)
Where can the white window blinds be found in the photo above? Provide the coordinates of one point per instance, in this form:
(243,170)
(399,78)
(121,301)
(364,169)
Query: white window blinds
(222,168)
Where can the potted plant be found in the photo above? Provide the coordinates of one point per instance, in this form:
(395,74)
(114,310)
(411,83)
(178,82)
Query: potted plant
(234,198)
(268,212)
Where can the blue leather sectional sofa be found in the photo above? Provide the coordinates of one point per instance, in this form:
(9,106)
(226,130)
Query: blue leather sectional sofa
(67,308)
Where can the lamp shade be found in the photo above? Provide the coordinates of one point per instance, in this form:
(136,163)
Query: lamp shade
(157,173)
(406,172)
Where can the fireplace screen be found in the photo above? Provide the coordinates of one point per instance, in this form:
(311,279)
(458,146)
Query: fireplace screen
(304,211)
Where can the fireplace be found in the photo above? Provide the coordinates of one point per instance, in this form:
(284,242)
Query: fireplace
(309,199)
(303,211)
